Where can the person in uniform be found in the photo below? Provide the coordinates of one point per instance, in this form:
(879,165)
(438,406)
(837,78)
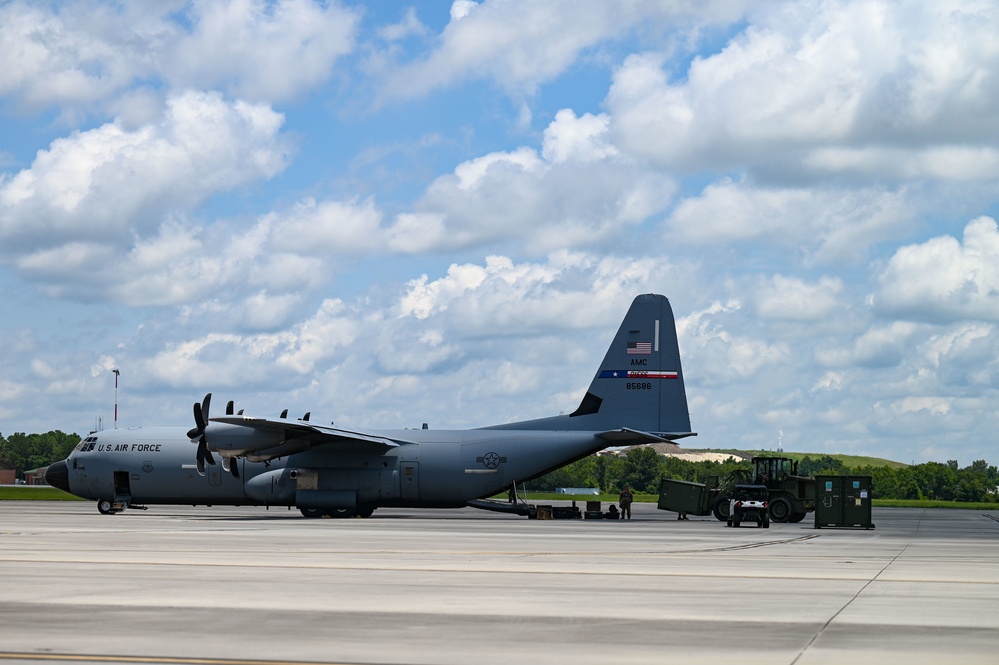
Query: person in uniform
(625,500)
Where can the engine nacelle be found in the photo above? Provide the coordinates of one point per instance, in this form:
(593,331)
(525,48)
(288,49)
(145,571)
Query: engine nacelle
(273,487)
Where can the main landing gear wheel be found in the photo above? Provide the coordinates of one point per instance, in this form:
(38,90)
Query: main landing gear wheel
(311,513)
(104,507)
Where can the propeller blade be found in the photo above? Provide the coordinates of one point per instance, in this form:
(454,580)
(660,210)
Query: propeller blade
(199,422)
(229,407)
(199,432)
(306,416)
(201,456)
(231,466)
(284,414)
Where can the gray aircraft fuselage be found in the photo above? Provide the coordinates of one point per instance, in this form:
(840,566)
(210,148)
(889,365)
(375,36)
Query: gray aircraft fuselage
(445,468)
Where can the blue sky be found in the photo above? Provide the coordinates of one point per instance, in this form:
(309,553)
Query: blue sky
(421,212)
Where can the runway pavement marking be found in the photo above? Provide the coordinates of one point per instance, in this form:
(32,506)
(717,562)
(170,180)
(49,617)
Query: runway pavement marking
(861,590)
(509,553)
(153,660)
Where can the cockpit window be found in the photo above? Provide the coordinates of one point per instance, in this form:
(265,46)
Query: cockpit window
(87,444)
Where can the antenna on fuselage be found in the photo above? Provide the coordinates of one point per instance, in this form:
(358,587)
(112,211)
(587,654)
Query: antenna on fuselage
(116,374)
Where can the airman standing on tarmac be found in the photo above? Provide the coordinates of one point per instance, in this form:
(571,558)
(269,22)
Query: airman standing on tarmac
(625,500)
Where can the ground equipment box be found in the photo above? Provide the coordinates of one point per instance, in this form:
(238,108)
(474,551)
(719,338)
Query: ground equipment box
(593,511)
(843,501)
(566,512)
(681,496)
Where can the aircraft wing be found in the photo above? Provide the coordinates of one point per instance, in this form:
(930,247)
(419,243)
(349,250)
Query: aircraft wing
(271,438)
(633,437)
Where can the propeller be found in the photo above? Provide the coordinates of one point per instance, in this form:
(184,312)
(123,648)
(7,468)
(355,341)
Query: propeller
(199,433)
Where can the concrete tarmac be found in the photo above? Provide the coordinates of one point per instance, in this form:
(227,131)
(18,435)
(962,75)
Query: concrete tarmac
(214,586)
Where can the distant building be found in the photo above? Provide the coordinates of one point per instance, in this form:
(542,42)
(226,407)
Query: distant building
(7,477)
(36,476)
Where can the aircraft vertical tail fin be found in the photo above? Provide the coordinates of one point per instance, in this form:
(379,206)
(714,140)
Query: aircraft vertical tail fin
(638,389)
(639,385)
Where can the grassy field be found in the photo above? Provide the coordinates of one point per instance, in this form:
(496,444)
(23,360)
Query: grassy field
(929,503)
(35,493)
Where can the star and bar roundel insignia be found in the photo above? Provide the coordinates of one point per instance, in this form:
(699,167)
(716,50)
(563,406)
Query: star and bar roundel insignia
(490,460)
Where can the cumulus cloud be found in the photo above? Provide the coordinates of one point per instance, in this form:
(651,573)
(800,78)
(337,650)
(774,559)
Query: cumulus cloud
(325,227)
(54,56)
(577,193)
(582,139)
(570,289)
(261,51)
(518,45)
(789,298)
(964,355)
(842,88)
(84,53)
(818,224)
(722,355)
(101,183)
(521,45)
(945,279)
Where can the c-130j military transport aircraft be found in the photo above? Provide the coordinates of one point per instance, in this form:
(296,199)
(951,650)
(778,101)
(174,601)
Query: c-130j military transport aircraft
(637,396)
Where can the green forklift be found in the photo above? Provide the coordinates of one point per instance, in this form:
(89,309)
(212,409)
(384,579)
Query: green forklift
(791,496)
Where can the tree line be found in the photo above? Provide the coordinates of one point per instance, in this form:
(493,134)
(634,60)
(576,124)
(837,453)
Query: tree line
(24,452)
(641,469)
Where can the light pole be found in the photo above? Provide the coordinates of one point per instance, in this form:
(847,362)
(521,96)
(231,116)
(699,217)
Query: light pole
(116,373)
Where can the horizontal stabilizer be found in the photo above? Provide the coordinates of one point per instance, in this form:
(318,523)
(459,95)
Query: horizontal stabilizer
(632,437)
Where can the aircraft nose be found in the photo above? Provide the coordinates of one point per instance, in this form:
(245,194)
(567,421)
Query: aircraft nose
(57,475)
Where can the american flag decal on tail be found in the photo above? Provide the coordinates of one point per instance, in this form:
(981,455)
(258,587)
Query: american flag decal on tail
(639,348)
